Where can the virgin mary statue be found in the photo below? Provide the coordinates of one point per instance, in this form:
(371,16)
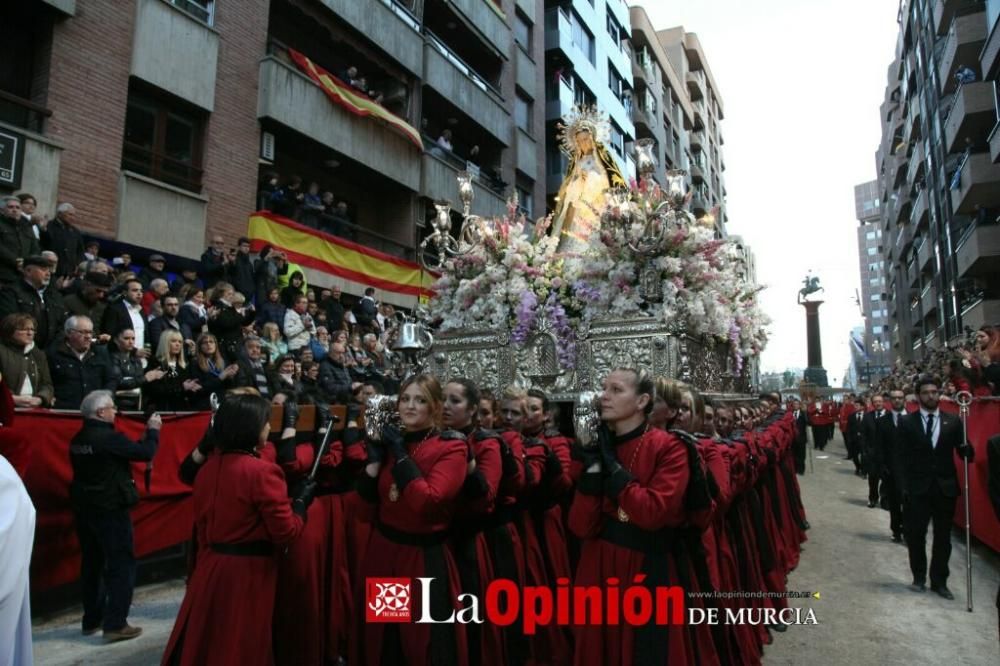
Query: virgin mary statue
(590,174)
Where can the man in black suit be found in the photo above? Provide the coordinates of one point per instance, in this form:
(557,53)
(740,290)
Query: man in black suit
(928,441)
(888,433)
(870,448)
(801,436)
(854,436)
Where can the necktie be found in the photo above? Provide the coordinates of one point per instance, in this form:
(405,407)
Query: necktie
(930,428)
(895,418)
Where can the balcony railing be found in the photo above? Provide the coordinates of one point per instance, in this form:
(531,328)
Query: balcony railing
(460,64)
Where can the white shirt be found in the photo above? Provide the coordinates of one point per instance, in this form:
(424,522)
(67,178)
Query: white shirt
(936,432)
(138,322)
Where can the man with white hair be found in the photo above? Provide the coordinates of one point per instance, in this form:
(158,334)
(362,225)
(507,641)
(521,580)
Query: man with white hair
(62,237)
(76,367)
(102,492)
(16,241)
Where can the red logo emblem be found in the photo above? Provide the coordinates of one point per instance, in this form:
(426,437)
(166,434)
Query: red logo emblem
(388,599)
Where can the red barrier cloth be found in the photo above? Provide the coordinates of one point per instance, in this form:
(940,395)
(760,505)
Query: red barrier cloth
(162,518)
(984,422)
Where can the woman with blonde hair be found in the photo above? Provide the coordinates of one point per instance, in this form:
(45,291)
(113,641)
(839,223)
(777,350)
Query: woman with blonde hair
(410,489)
(211,371)
(272,342)
(169,385)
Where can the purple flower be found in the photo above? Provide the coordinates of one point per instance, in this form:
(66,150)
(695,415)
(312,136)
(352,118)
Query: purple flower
(527,317)
(565,335)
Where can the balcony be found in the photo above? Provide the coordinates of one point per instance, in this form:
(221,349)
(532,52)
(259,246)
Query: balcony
(972,115)
(438,182)
(979,185)
(458,83)
(981,313)
(699,115)
(483,18)
(899,168)
(978,253)
(965,40)
(644,117)
(146,207)
(925,256)
(40,166)
(902,209)
(387,24)
(928,300)
(697,176)
(912,275)
(175,52)
(945,11)
(919,215)
(291,99)
(904,239)
(990,56)
(915,168)
(995,143)
(696,85)
(696,139)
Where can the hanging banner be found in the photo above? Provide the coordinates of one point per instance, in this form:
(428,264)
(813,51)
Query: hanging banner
(353,100)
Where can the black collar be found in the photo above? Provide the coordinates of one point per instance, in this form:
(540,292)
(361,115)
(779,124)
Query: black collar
(629,436)
(417,435)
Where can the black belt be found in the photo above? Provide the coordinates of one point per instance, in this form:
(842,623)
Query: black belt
(411,539)
(334,490)
(629,536)
(244,549)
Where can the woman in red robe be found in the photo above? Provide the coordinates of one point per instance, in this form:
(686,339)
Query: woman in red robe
(629,501)
(243,518)
(474,515)
(411,487)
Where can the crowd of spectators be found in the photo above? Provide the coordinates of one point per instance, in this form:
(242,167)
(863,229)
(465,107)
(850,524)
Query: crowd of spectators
(72,322)
(315,209)
(970,363)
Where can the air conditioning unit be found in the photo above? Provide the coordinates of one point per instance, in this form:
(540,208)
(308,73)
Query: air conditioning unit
(267,146)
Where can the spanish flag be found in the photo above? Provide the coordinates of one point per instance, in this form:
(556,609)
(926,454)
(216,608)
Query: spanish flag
(352,100)
(350,265)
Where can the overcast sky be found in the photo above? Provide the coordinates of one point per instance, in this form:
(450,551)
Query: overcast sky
(801,82)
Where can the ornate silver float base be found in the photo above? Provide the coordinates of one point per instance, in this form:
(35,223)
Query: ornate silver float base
(490,359)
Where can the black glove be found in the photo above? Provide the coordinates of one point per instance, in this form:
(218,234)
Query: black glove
(392,438)
(616,480)
(553,466)
(290,416)
(207,443)
(285,450)
(507,459)
(376,451)
(606,447)
(323,416)
(353,411)
(966,452)
(587,455)
(304,497)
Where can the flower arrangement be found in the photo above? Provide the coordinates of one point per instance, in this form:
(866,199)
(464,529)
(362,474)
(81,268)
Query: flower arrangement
(509,281)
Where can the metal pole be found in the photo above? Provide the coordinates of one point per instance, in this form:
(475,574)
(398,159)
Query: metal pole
(964,399)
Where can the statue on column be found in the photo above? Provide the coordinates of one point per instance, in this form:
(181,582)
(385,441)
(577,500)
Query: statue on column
(591,172)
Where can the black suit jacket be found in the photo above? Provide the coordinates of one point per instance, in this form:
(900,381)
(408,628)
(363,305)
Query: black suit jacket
(920,465)
(854,430)
(116,319)
(801,427)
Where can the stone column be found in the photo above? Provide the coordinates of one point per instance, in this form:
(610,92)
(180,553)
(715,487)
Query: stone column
(815,373)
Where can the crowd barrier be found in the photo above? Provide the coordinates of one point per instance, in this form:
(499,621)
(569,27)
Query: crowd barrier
(163,517)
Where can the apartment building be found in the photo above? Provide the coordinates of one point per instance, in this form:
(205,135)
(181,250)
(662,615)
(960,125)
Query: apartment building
(874,339)
(588,61)
(157,118)
(938,167)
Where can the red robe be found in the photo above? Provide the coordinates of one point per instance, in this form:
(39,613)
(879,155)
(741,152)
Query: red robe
(225,618)
(422,512)
(653,501)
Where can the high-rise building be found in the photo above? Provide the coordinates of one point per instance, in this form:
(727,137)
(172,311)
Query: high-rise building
(872,299)
(677,104)
(938,173)
(161,141)
(588,62)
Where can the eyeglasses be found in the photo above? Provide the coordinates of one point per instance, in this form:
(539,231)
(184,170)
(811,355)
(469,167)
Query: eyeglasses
(26,330)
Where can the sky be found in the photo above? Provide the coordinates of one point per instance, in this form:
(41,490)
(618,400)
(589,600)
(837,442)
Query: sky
(801,82)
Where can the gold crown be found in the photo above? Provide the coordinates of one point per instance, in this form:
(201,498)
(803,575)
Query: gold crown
(582,118)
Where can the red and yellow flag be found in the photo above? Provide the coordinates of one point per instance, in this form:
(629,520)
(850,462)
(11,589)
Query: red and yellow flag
(353,100)
(322,254)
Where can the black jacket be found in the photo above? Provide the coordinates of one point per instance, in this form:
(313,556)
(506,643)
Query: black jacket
(73,378)
(17,241)
(334,313)
(855,430)
(191,321)
(49,317)
(116,319)
(102,473)
(247,376)
(147,275)
(920,465)
(213,268)
(335,380)
(67,242)
(241,275)
(227,327)
(167,394)
(160,325)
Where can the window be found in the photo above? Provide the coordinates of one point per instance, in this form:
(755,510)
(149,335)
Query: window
(582,96)
(522,30)
(870,235)
(203,10)
(876,297)
(525,201)
(615,82)
(163,140)
(582,38)
(613,30)
(617,140)
(872,252)
(522,112)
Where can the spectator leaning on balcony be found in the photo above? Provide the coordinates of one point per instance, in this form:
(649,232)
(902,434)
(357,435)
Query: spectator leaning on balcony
(35,296)
(23,365)
(156,267)
(62,237)
(76,367)
(102,492)
(16,241)
(298,327)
